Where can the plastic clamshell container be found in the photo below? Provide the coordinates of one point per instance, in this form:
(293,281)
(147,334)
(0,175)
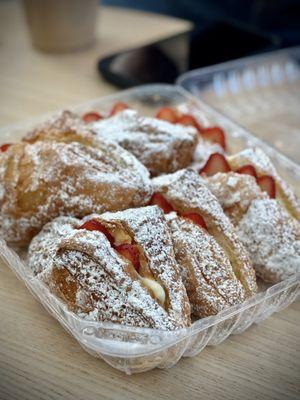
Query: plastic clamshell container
(262,93)
(134,350)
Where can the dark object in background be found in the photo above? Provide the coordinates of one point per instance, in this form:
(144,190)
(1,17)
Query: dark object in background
(165,60)
(272,17)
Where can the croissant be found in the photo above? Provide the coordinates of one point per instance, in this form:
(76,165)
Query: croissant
(265,212)
(161,146)
(117,267)
(208,248)
(44,179)
(205,268)
(65,126)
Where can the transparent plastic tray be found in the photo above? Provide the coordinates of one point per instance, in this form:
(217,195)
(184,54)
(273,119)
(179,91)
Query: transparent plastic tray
(135,350)
(261,93)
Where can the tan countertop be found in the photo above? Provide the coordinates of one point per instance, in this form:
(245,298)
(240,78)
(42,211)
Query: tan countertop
(38,359)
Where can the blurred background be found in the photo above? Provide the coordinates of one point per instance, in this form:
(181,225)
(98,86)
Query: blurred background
(59,52)
(275,17)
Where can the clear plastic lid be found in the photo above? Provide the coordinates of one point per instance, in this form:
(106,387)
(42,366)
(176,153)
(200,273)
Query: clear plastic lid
(261,93)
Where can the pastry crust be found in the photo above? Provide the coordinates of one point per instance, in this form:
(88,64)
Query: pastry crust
(205,269)
(83,268)
(188,193)
(265,227)
(45,179)
(272,238)
(263,166)
(235,193)
(161,146)
(65,126)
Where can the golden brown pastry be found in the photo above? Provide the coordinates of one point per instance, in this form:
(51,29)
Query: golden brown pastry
(272,238)
(206,271)
(65,126)
(161,146)
(235,193)
(268,231)
(45,179)
(264,167)
(205,247)
(115,267)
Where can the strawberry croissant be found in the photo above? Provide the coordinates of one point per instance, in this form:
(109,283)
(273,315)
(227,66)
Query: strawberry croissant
(64,171)
(214,265)
(263,208)
(115,267)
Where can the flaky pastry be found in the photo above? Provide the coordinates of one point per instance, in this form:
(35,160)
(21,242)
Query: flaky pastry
(161,146)
(42,180)
(65,126)
(205,268)
(265,227)
(116,267)
(187,194)
(263,166)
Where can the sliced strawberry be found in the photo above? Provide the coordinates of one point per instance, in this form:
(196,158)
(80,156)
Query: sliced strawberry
(160,201)
(168,114)
(120,106)
(4,147)
(91,117)
(189,120)
(93,225)
(131,252)
(216,163)
(196,218)
(247,170)
(215,134)
(267,184)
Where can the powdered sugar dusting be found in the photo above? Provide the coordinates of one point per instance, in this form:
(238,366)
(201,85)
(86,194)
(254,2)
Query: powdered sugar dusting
(188,192)
(161,146)
(235,193)
(66,123)
(106,287)
(208,276)
(150,231)
(46,179)
(264,166)
(272,238)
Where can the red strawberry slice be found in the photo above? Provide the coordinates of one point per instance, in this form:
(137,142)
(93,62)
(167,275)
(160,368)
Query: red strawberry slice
(4,147)
(93,225)
(216,163)
(267,184)
(131,252)
(167,114)
(120,106)
(247,170)
(91,117)
(160,201)
(215,134)
(189,120)
(196,218)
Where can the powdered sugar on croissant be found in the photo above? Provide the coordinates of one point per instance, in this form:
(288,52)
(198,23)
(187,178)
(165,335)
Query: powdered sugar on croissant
(272,238)
(42,180)
(161,146)
(235,193)
(188,193)
(83,268)
(263,165)
(205,268)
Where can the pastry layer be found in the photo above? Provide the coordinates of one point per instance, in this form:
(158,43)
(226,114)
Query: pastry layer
(205,269)
(161,146)
(45,179)
(188,193)
(97,282)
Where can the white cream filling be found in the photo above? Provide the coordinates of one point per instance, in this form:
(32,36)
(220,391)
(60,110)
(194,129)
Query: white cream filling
(156,288)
